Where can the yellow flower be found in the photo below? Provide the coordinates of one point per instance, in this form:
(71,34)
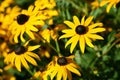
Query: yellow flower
(110,4)
(95,4)
(82,32)
(25,23)
(21,54)
(61,67)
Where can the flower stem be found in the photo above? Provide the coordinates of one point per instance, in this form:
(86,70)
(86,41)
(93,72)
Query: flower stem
(58,48)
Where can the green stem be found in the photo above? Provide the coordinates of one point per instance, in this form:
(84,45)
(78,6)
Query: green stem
(58,48)
(30,72)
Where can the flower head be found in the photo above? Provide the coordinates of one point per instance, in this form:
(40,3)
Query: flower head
(61,67)
(110,4)
(82,32)
(20,55)
(25,23)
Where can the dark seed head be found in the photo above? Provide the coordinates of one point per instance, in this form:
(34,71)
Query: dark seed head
(0,23)
(81,29)
(118,5)
(20,50)
(22,18)
(62,61)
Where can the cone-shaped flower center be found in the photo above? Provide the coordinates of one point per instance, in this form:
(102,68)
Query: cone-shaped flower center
(20,50)
(62,61)
(22,18)
(81,29)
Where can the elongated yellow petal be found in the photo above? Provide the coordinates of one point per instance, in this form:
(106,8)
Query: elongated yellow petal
(21,36)
(70,24)
(59,74)
(30,34)
(82,20)
(70,41)
(95,25)
(82,43)
(88,41)
(96,30)
(109,7)
(18,63)
(33,55)
(31,48)
(64,73)
(74,70)
(68,31)
(30,60)
(76,20)
(16,36)
(94,36)
(13,56)
(24,63)
(66,36)
(32,28)
(88,20)
(53,74)
(74,43)
(104,3)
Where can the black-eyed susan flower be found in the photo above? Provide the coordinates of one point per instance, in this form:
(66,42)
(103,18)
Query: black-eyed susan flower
(110,4)
(61,67)
(82,32)
(21,55)
(25,23)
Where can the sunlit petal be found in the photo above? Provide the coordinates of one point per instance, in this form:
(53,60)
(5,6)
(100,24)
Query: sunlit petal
(76,20)
(70,24)
(88,21)
(18,63)
(95,25)
(31,48)
(82,43)
(96,30)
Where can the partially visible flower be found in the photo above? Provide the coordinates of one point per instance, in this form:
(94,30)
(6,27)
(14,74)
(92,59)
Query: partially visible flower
(25,23)
(110,4)
(20,55)
(82,32)
(95,4)
(61,67)
(44,51)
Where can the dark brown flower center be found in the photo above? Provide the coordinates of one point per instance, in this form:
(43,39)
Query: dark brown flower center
(118,5)
(1,40)
(0,23)
(81,29)
(20,50)
(62,61)
(22,18)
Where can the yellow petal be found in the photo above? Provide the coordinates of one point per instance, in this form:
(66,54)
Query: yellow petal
(30,34)
(82,43)
(88,42)
(30,60)
(70,41)
(21,36)
(33,55)
(104,3)
(18,63)
(53,74)
(70,24)
(66,36)
(32,28)
(31,48)
(74,70)
(64,73)
(108,7)
(74,43)
(59,74)
(95,25)
(94,36)
(76,20)
(68,31)
(88,20)
(82,20)
(96,30)
(24,63)
(16,37)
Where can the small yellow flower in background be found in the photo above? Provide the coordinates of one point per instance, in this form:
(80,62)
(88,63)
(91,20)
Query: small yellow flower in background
(25,23)
(95,4)
(110,4)
(61,67)
(20,55)
(82,32)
